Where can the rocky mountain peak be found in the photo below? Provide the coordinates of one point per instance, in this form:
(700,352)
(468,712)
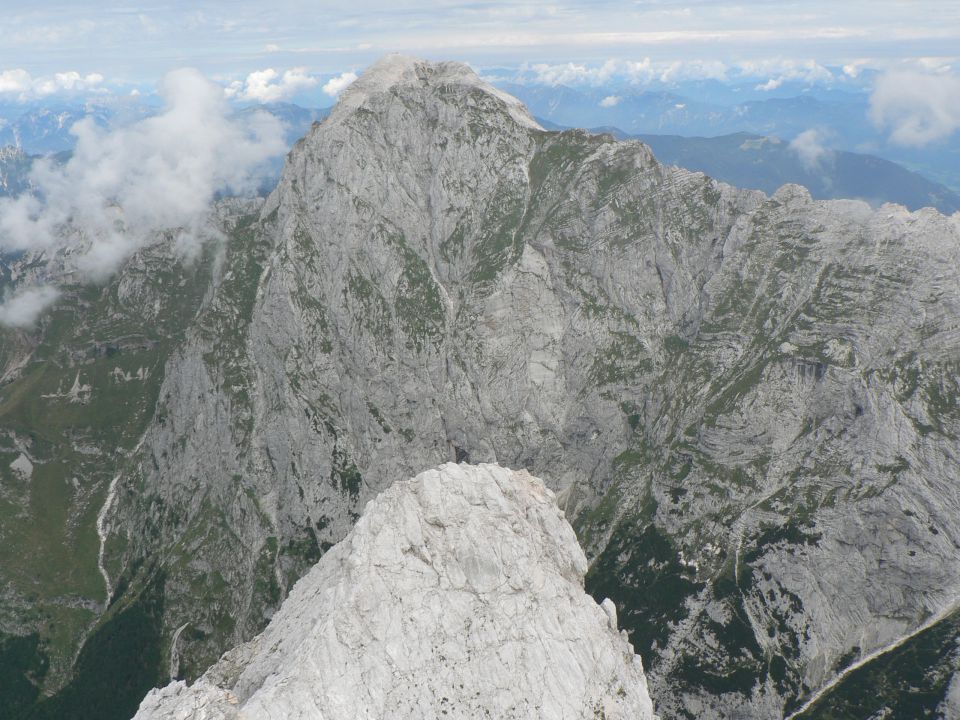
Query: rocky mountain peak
(748,402)
(401,74)
(458,593)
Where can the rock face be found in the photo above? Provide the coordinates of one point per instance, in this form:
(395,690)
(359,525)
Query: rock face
(747,405)
(458,594)
(14,170)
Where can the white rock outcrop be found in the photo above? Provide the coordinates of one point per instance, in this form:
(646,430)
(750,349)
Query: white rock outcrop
(458,594)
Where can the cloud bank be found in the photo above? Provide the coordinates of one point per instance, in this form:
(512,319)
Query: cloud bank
(120,186)
(266,86)
(917,108)
(772,73)
(22,84)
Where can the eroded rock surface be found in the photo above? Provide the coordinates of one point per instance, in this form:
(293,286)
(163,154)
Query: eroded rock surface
(748,405)
(458,594)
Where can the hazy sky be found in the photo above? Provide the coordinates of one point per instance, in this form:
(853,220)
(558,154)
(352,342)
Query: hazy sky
(138,42)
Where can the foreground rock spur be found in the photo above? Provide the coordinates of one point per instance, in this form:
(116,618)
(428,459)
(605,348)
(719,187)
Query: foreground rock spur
(459,593)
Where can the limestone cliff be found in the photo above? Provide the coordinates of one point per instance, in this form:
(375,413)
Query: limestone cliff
(747,405)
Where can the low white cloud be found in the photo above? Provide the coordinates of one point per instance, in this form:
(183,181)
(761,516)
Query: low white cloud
(854,68)
(67,82)
(779,71)
(336,85)
(769,73)
(916,108)
(694,70)
(573,73)
(810,148)
(15,81)
(268,85)
(935,64)
(638,71)
(610,101)
(25,86)
(121,185)
(24,307)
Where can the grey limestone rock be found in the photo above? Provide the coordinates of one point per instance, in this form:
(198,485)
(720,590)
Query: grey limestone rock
(457,594)
(747,405)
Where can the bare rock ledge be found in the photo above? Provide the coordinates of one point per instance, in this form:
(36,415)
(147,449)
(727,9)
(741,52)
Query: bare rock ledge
(458,594)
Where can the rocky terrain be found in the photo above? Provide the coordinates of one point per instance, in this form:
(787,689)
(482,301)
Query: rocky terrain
(767,163)
(14,169)
(458,593)
(747,404)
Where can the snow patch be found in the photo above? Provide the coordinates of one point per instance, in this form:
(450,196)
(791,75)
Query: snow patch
(22,467)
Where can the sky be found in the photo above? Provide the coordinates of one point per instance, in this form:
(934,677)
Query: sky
(228,39)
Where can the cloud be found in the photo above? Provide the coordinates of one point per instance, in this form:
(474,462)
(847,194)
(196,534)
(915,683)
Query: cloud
(917,108)
(268,85)
(121,185)
(854,68)
(15,81)
(610,101)
(694,70)
(20,82)
(67,82)
(772,72)
(336,85)
(809,147)
(638,71)
(23,307)
(573,73)
(771,84)
(779,71)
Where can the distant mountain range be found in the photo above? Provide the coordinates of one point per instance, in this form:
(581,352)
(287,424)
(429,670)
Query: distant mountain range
(40,130)
(767,163)
(843,117)
(750,160)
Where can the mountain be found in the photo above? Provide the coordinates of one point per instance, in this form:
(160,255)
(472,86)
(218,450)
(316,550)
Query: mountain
(766,163)
(40,129)
(458,594)
(652,110)
(76,394)
(688,111)
(746,404)
(665,110)
(14,169)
